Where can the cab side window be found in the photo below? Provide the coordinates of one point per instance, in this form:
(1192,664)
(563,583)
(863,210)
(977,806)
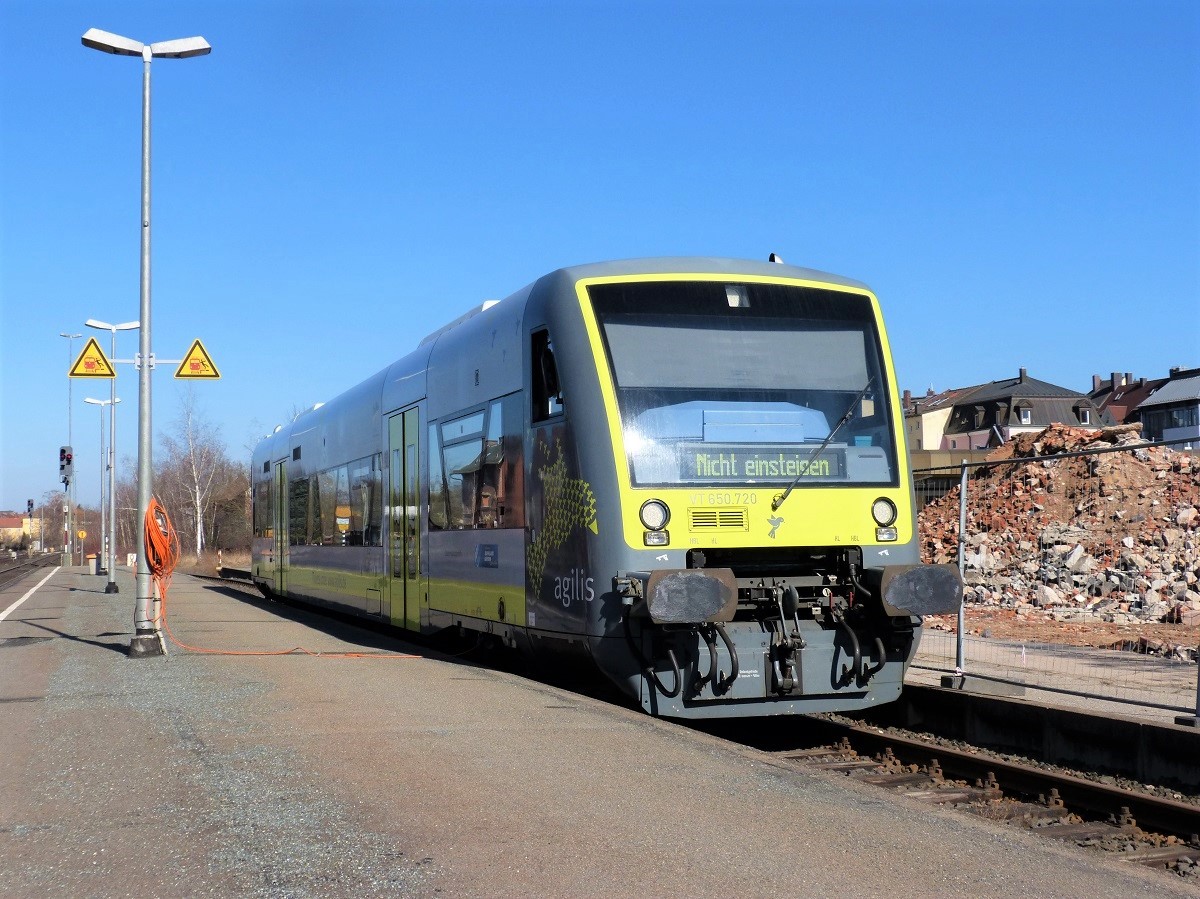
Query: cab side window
(546,392)
(475,469)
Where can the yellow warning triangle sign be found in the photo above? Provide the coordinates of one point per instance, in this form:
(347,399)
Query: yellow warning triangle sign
(92,363)
(197,363)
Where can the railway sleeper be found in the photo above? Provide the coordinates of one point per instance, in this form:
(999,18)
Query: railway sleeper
(1085,830)
(847,765)
(842,747)
(896,780)
(944,794)
(1031,814)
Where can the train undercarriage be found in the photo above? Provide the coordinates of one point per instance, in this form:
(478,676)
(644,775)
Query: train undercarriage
(790,631)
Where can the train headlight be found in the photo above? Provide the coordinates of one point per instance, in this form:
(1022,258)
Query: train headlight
(654,514)
(883,510)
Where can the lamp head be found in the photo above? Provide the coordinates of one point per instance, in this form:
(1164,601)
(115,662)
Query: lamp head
(111,43)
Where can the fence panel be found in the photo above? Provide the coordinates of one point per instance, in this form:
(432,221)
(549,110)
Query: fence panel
(1069,548)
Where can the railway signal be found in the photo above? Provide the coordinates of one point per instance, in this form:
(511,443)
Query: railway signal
(66,464)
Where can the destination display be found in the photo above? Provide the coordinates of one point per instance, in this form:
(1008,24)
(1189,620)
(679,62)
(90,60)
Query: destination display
(737,463)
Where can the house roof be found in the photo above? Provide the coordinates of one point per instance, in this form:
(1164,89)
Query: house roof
(1125,397)
(1024,386)
(944,400)
(997,405)
(1180,390)
(10,522)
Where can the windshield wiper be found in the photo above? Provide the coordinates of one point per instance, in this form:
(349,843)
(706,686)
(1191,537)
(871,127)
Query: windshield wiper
(849,414)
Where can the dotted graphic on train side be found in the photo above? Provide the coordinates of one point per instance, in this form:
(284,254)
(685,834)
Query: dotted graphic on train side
(568,504)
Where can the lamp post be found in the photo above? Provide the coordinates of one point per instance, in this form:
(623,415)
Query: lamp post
(106,458)
(69,542)
(111,586)
(146,639)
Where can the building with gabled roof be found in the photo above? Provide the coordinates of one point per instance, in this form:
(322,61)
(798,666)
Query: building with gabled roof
(964,424)
(1119,396)
(925,418)
(993,413)
(13,527)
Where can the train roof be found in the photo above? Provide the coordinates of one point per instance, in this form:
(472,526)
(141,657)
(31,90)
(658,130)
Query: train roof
(701,265)
(414,364)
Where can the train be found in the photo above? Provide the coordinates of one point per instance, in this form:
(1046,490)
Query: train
(688,475)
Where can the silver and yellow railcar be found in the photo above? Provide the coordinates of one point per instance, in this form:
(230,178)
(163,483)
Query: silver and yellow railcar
(690,471)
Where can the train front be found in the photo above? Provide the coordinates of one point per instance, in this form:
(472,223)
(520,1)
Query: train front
(767,559)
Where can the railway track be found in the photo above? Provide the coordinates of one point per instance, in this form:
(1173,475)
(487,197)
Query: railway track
(1137,826)
(13,571)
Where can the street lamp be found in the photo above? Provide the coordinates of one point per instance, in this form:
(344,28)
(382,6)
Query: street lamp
(146,639)
(111,586)
(111,540)
(69,542)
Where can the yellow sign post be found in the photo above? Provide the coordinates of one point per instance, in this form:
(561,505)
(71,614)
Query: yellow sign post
(197,363)
(92,363)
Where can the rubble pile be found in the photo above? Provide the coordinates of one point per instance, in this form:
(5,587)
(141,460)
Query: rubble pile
(1107,537)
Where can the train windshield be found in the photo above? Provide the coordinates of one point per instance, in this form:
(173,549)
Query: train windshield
(723,383)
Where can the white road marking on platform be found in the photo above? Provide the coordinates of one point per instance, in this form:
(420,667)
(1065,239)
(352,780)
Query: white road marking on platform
(32,590)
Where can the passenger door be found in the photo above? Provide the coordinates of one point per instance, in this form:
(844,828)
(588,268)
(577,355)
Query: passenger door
(281,525)
(404,544)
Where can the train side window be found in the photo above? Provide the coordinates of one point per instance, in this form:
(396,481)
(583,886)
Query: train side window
(477,481)
(375,503)
(464,472)
(263,526)
(298,511)
(438,513)
(501,477)
(510,474)
(325,513)
(361,514)
(546,390)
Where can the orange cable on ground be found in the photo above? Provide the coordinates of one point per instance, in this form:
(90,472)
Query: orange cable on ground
(162,554)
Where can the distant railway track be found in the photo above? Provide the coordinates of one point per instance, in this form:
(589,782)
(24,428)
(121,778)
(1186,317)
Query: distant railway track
(13,571)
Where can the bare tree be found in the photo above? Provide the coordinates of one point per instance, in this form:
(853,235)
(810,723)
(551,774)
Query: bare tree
(129,530)
(230,522)
(50,517)
(193,457)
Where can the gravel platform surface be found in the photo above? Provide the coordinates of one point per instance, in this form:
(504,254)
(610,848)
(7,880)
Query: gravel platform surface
(407,773)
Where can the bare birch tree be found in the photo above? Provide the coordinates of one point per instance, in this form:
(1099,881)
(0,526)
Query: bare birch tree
(51,517)
(192,458)
(128,539)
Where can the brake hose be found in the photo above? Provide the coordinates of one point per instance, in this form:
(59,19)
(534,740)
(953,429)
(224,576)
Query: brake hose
(648,670)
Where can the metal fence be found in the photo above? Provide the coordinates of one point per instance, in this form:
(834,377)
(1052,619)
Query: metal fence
(1057,547)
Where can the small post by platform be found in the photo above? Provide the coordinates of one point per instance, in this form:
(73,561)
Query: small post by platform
(1193,720)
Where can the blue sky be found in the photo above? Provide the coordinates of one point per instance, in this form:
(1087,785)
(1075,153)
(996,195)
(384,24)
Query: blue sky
(1017,180)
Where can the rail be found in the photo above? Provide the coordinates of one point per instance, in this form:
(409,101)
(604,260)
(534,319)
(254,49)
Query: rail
(12,571)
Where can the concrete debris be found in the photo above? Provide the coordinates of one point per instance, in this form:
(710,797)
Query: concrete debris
(1111,537)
